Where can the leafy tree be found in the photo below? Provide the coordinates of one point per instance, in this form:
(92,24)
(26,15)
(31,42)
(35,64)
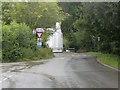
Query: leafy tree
(95,26)
(65,43)
(15,38)
(18,43)
(35,14)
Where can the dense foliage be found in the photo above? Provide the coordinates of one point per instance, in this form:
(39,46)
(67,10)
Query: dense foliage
(93,26)
(35,14)
(19,44)
(89,27)
(19,20)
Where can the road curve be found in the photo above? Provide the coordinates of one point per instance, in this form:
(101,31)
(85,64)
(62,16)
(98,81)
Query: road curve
(65,70)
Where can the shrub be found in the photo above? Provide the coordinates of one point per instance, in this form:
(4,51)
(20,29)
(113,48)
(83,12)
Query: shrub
(19,44)
(43,53)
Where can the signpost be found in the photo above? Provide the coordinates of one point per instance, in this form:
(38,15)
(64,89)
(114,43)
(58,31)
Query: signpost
(39,44)
(39,32)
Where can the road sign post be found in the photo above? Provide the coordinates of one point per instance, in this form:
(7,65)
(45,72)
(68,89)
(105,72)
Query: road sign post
(39,32)
(39,44)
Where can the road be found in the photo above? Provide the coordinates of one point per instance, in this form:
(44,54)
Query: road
(65,70)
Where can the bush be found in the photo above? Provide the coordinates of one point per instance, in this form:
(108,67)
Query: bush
(43,53)
(20,44)
(40,53)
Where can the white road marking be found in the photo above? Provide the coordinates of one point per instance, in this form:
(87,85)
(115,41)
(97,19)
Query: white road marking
(0,81)
(5,79)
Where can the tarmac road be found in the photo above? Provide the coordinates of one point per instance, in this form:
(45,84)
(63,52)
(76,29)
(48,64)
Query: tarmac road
(65,70)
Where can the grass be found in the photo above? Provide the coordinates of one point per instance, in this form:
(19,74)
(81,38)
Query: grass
(108,59)
(31,55)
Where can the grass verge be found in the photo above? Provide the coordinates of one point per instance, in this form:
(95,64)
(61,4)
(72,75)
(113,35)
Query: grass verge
(28,54)
(108,59)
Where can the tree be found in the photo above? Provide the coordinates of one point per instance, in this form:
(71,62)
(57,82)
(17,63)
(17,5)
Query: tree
(35,14)
(19,19)
(16,37)
(95,25)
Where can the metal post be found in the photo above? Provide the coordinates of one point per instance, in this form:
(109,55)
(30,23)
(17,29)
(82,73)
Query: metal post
(98,43)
